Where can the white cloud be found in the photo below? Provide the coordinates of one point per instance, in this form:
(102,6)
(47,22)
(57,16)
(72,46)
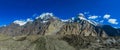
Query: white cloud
(113,21)
(22,22)
(101,21)
(106,16)
(93,17)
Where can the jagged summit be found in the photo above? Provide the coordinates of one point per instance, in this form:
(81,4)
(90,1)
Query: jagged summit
(81,16)
(46,16)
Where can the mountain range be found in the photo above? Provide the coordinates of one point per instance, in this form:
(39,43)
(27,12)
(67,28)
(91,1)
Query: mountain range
(77,32)
(47,23)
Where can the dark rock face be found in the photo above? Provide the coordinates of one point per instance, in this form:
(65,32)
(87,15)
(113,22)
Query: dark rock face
(110,30)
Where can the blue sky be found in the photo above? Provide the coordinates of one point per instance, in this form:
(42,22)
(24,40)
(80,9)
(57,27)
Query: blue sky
(11,10)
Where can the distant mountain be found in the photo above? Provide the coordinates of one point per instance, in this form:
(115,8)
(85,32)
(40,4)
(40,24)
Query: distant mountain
(12,29)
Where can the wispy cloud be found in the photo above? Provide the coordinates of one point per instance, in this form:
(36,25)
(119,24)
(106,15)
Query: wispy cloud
(113,21)
(106,16)
(93,17)
(101,21)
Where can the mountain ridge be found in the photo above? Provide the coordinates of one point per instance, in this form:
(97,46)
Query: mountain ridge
(45,20)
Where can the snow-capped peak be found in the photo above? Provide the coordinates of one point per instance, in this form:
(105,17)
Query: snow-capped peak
(45,15)
(22,22)
(81,16)
(93,22)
